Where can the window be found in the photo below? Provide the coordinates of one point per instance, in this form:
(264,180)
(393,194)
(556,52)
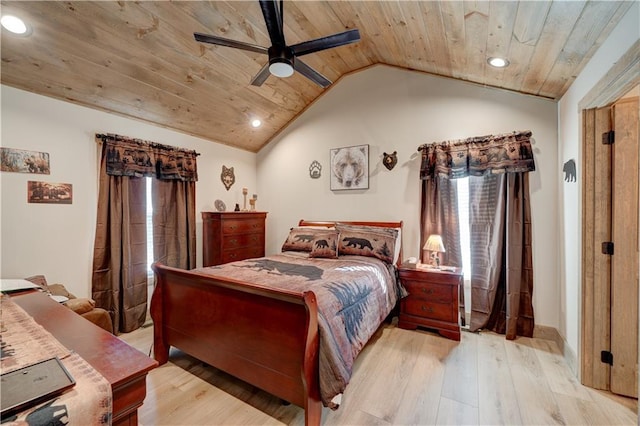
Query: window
(463,220)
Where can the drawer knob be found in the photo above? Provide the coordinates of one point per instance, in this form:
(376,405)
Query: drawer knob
(427,309)
(427,290)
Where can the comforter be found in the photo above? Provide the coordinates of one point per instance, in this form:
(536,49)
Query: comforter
(354,295)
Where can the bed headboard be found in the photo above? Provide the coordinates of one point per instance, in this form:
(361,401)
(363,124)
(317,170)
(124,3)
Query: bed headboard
(330,224)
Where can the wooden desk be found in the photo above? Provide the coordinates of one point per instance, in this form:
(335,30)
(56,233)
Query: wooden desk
(124,367)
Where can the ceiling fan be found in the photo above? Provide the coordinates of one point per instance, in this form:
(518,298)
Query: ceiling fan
(283,59)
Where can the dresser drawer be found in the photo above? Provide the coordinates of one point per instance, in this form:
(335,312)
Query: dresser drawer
(242,253)
(243,240)
(433,292)
(238,226)
(428,309)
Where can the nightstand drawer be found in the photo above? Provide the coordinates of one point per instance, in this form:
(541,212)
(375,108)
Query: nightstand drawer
(428,309)
(432,292)
(242,226)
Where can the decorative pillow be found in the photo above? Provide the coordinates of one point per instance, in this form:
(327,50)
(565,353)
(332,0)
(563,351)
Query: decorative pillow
(325,244)
(301,238)
(80,306)
(372,241)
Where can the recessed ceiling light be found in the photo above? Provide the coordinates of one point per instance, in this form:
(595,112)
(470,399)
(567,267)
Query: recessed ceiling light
(256,123)
(498,62)
(14,24)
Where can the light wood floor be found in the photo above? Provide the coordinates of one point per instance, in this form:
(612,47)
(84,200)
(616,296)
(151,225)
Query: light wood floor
(401,378)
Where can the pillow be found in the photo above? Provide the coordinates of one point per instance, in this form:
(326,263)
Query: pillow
(301,238)
(80,306)
(325,245)
(372,241)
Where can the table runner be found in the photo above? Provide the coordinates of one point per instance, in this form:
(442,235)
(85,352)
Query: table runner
(24,342)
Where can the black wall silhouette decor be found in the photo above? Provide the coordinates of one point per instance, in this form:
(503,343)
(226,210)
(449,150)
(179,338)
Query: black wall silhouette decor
(569,170)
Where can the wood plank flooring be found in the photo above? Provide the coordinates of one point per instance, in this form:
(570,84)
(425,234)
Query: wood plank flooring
(401,378)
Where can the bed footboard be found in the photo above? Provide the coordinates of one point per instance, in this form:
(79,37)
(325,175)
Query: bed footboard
(266,337)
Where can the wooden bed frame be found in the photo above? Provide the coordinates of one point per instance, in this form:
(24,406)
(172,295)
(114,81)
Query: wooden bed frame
(266,337)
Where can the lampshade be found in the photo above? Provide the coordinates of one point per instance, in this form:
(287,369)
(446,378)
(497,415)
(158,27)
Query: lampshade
(434,243)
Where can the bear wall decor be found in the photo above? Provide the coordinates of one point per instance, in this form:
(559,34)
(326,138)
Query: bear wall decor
(390,160)
(569,170)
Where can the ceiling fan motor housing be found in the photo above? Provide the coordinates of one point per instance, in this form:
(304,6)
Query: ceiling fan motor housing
(281,61)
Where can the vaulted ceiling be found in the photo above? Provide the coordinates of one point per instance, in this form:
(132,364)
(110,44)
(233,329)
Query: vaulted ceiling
(140,59)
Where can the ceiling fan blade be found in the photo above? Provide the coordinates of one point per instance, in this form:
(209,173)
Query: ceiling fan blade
(262,75)
(340,39)
(273,19)
(206,38)
(310,73)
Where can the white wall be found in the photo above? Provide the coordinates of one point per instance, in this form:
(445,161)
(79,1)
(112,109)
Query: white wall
(626,33)
(397,110)
(57,240)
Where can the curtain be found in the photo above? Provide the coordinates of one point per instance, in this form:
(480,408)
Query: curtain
(174,232)
(500,224)
(439,215)
(119,281)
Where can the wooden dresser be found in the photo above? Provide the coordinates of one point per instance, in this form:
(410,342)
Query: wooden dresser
(231,236)
(433,300)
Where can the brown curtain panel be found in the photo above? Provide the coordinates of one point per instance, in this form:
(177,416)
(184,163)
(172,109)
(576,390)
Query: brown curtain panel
(500,223)
(439,215)
(501,254)
(119,281)
(174,227)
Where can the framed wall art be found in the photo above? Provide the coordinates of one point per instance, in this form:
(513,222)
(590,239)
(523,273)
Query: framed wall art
(21,161)
(349,168)
(50,193)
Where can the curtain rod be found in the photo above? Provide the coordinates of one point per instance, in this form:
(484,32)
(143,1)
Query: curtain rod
(104,138)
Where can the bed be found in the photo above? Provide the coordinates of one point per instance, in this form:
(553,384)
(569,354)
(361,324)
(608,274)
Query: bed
(290,324)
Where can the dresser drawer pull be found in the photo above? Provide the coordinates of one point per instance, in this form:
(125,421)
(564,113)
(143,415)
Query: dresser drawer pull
(429,309)
(427,290)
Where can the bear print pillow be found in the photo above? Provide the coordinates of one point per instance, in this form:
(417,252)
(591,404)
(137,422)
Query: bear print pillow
(369,241)
(301,239)
(325,245)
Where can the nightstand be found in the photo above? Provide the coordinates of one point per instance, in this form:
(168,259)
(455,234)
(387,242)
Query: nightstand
(433,300)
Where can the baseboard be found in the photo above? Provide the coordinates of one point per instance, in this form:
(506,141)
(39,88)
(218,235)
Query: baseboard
(551,333)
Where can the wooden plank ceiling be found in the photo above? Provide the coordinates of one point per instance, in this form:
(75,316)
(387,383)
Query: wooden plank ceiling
(140,60)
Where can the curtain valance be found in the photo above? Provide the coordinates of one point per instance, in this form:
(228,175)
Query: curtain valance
(478,156)
(136,157)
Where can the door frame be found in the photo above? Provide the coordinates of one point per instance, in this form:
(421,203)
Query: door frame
(623,76)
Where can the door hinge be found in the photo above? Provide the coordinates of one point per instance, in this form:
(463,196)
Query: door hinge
(606,357)
(607,247)
(608,138)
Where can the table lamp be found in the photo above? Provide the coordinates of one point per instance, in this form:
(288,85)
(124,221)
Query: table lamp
(435,245)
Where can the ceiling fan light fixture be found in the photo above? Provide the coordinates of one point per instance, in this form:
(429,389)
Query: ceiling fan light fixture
(498,62)
(280,67)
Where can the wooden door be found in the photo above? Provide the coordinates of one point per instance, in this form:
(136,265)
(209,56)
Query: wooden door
(624,262)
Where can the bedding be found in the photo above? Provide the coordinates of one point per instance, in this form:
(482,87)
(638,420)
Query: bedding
(354,296)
